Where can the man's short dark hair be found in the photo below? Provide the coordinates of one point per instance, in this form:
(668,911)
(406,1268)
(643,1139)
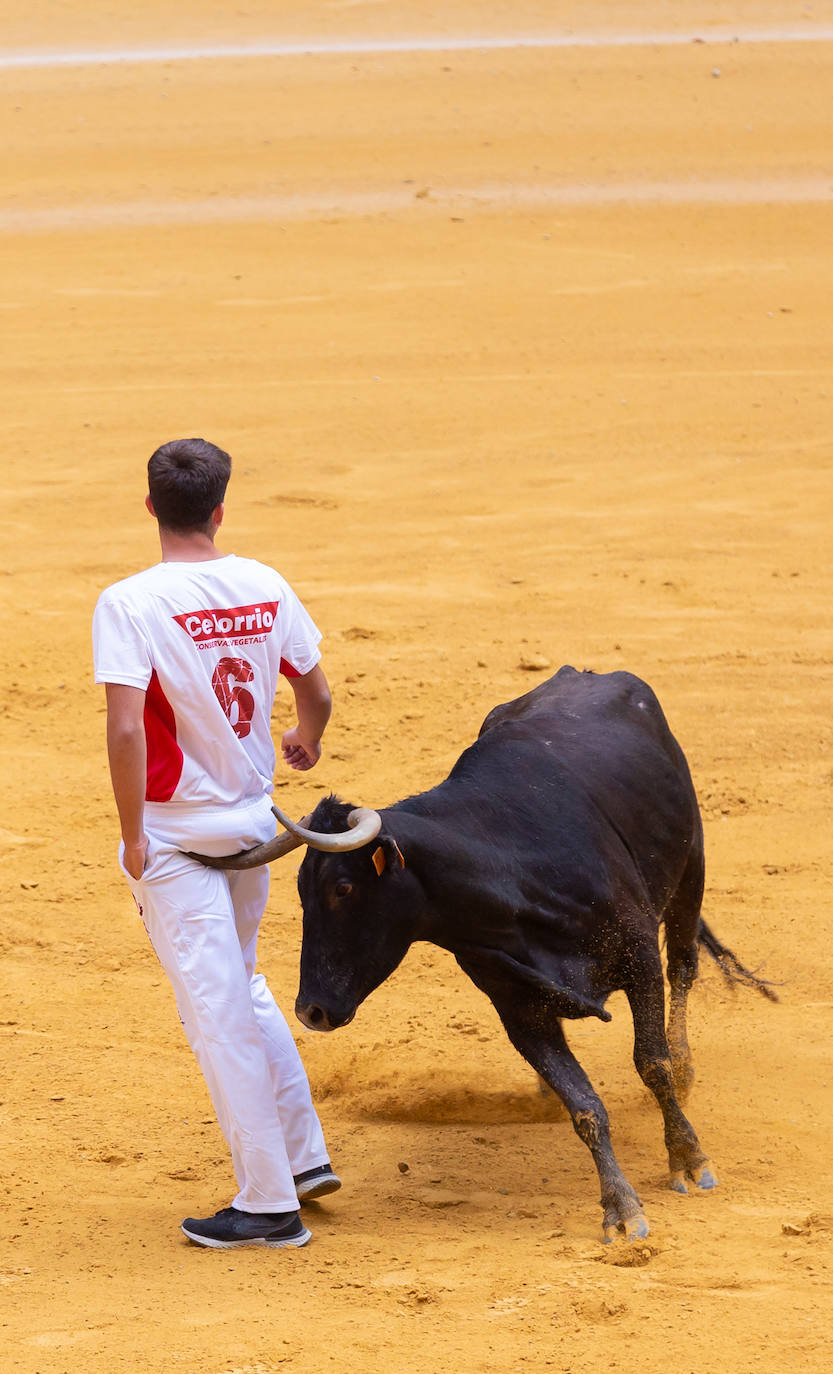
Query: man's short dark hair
(187,479)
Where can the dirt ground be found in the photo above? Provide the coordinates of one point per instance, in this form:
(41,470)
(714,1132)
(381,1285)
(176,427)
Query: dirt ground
(524,355)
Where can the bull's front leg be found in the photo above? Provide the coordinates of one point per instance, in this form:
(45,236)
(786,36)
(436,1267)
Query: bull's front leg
(549,1054)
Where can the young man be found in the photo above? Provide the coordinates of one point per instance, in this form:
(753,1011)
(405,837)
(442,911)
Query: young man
(190,651)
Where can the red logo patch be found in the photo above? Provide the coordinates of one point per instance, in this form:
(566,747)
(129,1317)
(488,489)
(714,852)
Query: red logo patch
(232,622)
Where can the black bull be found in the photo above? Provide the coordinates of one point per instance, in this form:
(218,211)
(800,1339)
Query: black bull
(545,863)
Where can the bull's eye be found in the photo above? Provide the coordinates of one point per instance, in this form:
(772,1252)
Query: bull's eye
(343,887)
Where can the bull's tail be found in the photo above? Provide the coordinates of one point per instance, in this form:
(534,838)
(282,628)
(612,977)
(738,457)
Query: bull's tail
(730,966)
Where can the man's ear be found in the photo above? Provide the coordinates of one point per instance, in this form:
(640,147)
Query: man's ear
(388,852)
(149,505)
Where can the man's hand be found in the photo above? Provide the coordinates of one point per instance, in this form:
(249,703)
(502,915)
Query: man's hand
(301,746)
(299,753)
(135,857)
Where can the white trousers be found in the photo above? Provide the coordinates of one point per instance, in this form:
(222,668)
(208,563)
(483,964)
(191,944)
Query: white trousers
(203,924)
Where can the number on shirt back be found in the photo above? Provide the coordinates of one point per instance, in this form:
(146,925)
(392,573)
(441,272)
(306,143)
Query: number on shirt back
(236,701)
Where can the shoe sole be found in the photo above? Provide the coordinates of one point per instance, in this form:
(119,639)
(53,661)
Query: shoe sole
(301,1239)
(317,1187)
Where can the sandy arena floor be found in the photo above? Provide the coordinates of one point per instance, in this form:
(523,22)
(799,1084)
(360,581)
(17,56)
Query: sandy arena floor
(524,354)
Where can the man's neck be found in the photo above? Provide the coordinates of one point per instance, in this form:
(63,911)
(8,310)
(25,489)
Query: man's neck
(189,547)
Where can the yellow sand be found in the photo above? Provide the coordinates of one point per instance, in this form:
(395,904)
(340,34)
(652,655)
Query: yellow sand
(522,354)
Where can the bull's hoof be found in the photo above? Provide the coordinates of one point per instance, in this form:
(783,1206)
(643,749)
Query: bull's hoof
(629,1228)
(701,1176)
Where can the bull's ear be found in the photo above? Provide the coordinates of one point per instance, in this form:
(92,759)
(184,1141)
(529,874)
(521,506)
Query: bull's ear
(388,852)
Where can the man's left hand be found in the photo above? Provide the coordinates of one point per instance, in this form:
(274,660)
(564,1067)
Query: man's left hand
(135,857)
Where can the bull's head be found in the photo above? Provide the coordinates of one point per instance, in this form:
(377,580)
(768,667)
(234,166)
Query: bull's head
(357,899)
(359,921)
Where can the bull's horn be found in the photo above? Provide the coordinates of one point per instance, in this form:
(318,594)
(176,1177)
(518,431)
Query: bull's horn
(364,826)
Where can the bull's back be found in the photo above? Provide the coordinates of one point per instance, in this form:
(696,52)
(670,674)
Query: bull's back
(571,700)
(608,739)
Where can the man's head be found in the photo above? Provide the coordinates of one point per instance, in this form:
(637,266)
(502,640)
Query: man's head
(187,481)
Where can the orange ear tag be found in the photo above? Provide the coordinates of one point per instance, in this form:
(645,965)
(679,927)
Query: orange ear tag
(378,858)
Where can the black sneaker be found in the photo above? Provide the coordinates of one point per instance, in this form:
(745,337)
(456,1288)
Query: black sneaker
(231,1228)
(315,1183)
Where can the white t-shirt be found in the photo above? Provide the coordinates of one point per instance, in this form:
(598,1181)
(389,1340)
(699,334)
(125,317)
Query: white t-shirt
(207,642)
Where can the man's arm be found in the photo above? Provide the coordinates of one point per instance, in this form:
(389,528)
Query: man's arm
(127,754)
(301,746)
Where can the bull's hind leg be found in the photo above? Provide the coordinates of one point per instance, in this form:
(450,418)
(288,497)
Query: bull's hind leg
(645,992)
(680,980)
(549,1054)
(682,927)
